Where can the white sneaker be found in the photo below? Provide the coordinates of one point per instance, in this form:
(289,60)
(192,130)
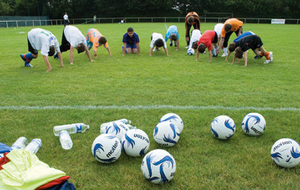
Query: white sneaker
(271,56)
(224,54)
(186,47)
(267,61)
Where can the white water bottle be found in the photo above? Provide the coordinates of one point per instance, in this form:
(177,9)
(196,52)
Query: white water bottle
(65,140)
(34,146)
(71,128)
(125,121)
(20,143)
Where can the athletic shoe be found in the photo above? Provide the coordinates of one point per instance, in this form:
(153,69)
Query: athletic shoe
(224,54)
(271,56)
(175,44)
(155,49)
(257,57)
(55,56)
(187,47)
(267,61)
(214,52)
(171,43)
(28,65)
(22,56)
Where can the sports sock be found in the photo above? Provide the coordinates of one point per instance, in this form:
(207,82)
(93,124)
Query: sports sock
(29,56)
(267,55)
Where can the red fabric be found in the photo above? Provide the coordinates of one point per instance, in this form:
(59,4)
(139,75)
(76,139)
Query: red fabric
(207,37)
(53,183)
(4,160)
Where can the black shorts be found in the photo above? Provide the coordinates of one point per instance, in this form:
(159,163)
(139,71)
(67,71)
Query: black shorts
(257,43)
(31,49)
(65,45)
(216,38)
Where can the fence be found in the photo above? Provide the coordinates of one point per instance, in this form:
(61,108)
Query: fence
(20,23)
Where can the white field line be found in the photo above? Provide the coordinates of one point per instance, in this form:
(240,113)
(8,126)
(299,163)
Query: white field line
(147,107)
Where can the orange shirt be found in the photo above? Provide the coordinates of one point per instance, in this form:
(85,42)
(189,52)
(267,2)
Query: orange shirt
(196,16)
(235,23)
(93,35)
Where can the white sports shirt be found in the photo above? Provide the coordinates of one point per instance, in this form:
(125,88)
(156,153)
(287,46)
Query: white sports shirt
(66,17)
(41,39)
(196,34)
(74,36)
(156,36)
(218,28)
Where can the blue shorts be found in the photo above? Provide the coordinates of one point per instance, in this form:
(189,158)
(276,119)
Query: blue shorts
(132,46)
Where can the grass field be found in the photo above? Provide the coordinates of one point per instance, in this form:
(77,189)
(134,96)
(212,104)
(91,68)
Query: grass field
(143,89)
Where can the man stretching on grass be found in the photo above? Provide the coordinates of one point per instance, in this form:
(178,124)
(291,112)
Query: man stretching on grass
(157,41)
(208,40)
(251,42)
(95,39)
(173,35)
(131,42)
(40,39)
(72,39)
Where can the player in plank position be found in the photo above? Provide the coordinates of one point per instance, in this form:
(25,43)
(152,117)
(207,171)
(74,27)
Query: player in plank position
(95,39)
(44,40)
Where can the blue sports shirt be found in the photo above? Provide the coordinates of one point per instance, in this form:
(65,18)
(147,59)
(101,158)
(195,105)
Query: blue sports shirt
(171,30)
(248,33)
(131,40)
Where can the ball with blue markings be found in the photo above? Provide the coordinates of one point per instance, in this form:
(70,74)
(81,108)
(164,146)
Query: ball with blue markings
(223,127)
(116,128)
(106,148)
(158,166)
(174,118)
(286,153)
(190,51)
(135,142)
(254,124)
(166,133)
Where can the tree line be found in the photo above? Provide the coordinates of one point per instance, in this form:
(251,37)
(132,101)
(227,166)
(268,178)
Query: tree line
(55,9)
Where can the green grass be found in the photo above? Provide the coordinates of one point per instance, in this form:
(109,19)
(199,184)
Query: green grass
(203,162)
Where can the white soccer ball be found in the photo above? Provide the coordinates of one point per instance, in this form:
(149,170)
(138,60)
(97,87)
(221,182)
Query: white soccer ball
(190,51)
(116,128)
(106,148)
(254,124)
(174,118)
(286,153)
(223,127)
(135,142)
(158,166)
(166,134)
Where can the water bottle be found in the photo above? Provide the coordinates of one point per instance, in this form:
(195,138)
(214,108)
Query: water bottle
(125,121)
(71,128)
(20,143)
(34,146)
(65,140)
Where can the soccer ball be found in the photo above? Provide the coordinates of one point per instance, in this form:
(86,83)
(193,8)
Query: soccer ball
(166,133)
(116,128)
(222,127)
(135,142)
(106,148)
(254,124)
(190,51)
(286,153)
(158,166)
(174,118)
